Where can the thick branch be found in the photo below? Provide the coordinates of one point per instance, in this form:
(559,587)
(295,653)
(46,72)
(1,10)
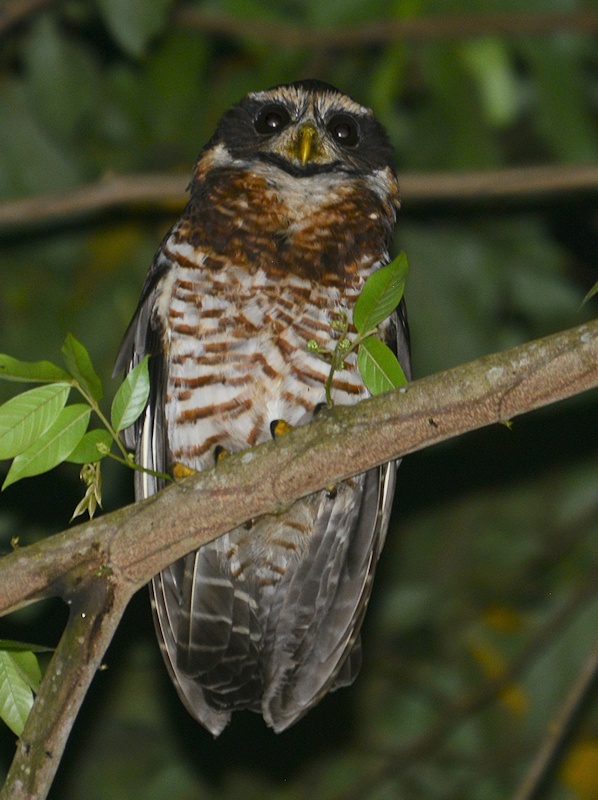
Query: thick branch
(417,189)
(136,542)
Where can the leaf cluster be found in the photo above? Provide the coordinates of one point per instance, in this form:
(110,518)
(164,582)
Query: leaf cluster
(39,431)
(378,366)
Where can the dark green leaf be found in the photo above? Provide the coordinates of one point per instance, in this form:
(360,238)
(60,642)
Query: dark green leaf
(11,369)
(54,447)
(32,162)
(131,398)
(92,447)
(381,294)
(61,76)
(16,697)
(558,78)
(23,647)
(379,367)
(79,365)
(28,668)
(24,418)
(134,23)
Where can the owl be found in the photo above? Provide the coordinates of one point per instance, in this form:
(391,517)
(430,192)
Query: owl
(292,206)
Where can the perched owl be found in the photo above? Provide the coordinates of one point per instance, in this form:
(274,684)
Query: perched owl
(292,206)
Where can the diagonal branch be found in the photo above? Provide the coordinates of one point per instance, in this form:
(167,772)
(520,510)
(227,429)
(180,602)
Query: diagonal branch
(136,542)
(536,783)
(97,566)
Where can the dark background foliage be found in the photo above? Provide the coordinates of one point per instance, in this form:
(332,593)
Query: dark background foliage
(492,557)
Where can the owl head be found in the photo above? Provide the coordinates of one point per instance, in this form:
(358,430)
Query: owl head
(304,128)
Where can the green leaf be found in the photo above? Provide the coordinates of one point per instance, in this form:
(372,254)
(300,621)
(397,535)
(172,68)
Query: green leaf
(379,367)
(11,369)
(131,398)
(54,447)
(79,365)
(24,418)
(28,667)
(133,23)
(22,647)
(16,697)
(61,76)
(557,71)
(92,447)
(381,294)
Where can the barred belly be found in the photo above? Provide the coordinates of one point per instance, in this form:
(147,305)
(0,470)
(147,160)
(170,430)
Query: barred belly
(238,356)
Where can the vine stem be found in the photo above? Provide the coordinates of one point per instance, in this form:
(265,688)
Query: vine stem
(126,456)
(338,356)
(104,420)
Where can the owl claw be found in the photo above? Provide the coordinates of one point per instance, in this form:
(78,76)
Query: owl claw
(220,453)
(180,471)
(278,427)
(319,408)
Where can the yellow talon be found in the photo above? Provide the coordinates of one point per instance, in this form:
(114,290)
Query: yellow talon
(180,471)
(279,427)
(220,453)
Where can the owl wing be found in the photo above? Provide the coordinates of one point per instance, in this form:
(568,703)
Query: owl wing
(148,438)
(317,645)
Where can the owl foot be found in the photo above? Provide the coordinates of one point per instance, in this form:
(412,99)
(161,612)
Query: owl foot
(279,427)
(220,453)
(180,471)
(319,408)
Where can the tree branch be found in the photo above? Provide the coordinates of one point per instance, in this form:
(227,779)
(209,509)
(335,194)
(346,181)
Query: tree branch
(536,783)
(417,189)
(97,566)
(423,28)
(428,27)
(135,543)
(94,616)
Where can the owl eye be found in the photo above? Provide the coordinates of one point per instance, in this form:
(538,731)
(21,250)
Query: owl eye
(344,130)
(271,119)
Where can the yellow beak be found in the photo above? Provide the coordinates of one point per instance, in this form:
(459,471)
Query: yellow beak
(307,144)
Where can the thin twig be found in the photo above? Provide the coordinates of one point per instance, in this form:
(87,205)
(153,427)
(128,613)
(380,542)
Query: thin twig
(560,732)
(294,35)
(457,713)
(287,35)
(167,191)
